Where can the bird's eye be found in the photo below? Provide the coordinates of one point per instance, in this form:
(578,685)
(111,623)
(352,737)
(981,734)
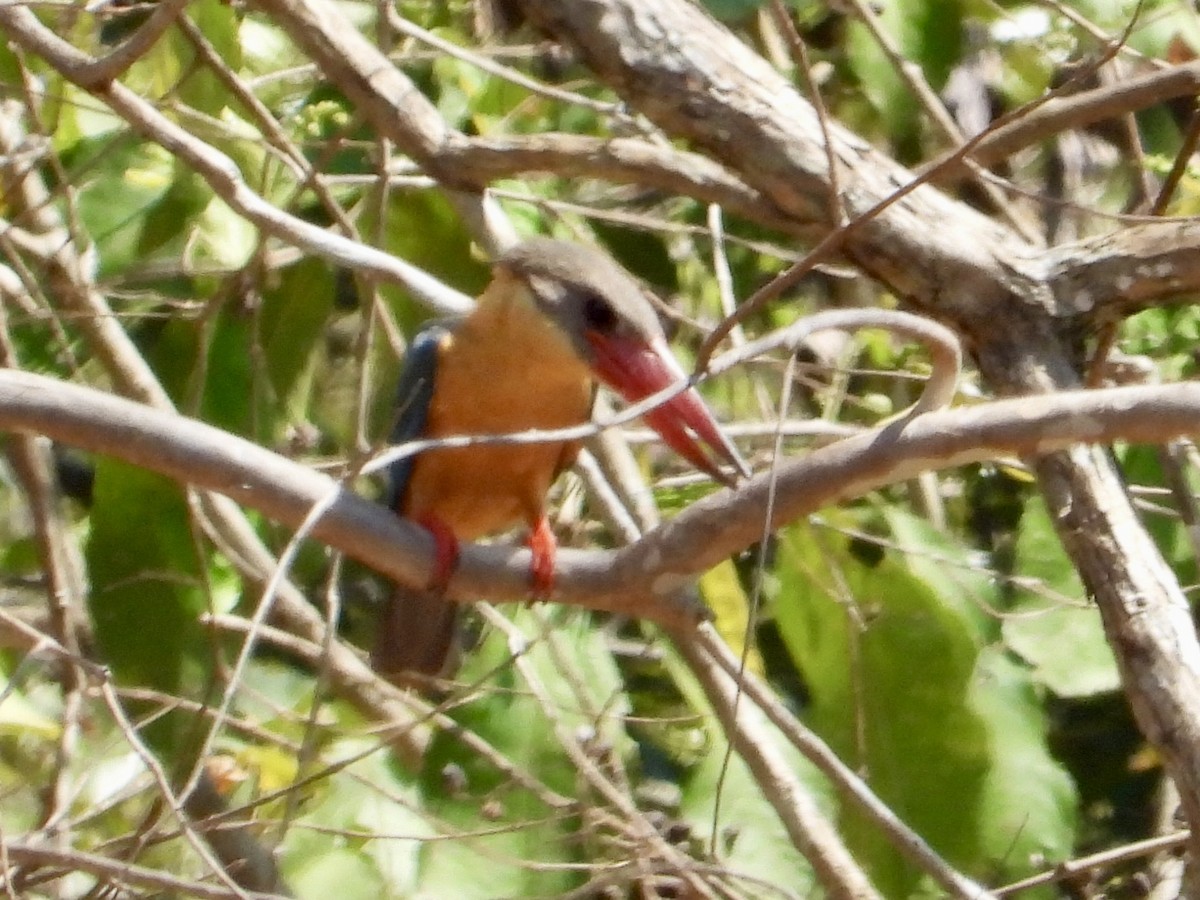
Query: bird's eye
(598,314)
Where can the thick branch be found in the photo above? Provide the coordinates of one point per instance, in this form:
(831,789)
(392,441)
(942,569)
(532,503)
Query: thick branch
(622,161)
(1114,274)
(640,579)
(687,73)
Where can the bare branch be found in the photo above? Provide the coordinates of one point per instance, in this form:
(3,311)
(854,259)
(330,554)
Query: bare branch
(620,160)
(641,579)
(808,828)
(1114,274)
(120,871)
(1076,111)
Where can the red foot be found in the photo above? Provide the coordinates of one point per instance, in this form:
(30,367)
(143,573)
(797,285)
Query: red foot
(445,552)
(544,546)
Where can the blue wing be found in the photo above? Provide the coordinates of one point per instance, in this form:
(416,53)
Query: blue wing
(414,393)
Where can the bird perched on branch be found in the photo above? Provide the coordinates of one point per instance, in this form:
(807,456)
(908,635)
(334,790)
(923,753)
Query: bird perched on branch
(556,319)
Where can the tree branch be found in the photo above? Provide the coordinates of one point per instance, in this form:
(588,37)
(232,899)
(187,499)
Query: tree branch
(684,71)
(641,579)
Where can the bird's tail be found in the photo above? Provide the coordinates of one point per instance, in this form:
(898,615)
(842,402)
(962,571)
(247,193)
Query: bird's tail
(417,640)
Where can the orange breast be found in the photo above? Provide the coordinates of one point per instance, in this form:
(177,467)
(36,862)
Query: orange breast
(507,369)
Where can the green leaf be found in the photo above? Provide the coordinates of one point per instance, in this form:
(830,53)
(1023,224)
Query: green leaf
(168,221)
(10,70)
(892,662)
(1028,808)
(146,585)
(126,183)
(341,873)
(292,321)
(207,364)
(723,594)
(1054,628)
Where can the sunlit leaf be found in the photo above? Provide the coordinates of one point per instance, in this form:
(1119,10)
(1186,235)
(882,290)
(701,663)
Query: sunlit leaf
(890,653)
(19,716)
(1055,628)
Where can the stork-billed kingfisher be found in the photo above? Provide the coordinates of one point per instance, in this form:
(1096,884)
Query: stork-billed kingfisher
(555,319)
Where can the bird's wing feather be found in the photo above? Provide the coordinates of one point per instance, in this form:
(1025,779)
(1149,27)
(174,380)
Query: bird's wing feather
(414,393)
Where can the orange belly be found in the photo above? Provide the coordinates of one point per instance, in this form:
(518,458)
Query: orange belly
(480,490)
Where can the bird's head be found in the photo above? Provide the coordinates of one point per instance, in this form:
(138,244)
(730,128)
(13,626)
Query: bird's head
(613,328)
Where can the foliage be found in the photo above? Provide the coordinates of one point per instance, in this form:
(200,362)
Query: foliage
(941,661)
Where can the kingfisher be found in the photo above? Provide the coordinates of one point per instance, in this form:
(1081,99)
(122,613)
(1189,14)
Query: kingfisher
(556,320)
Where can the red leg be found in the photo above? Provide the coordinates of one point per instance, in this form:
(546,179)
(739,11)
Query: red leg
(445,551)
(544,546)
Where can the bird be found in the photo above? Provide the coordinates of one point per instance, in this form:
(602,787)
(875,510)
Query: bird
(557,319)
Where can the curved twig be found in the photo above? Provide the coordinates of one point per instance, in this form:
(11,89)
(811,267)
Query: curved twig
(945,351)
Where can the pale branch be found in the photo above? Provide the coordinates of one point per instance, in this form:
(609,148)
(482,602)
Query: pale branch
(121,872)
(1096,862)
(642,579)
(1147,617)
(747,729)
(137,45)
(620,160)
(1103,278)
(392,99)
(726,522)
